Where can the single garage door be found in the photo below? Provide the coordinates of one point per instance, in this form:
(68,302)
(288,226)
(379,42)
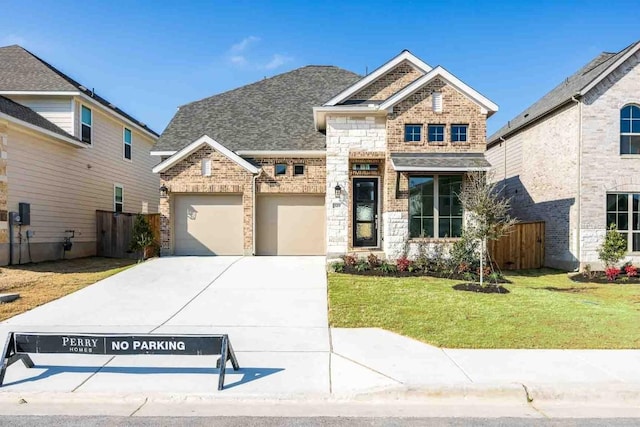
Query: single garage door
(290,225)
(208,224)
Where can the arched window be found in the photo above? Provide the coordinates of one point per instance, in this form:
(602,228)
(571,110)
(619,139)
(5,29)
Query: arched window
(630,130)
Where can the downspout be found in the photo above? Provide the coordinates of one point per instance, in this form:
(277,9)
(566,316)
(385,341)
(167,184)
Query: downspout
(504,178)
(253,214)
(578,197)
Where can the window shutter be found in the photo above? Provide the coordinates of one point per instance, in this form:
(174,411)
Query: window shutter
(206,167)
(437,101)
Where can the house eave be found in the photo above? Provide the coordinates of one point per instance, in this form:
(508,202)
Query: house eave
(31,127)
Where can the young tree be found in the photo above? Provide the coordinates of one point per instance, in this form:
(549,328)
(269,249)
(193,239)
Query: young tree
(613,248)
(488,212)
(142,236)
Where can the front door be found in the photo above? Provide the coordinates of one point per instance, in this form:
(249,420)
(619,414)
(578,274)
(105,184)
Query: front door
(365,212)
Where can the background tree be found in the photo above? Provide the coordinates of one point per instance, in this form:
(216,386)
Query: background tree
(488,212)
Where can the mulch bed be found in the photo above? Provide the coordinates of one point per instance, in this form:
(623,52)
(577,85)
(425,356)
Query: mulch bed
(600,277)
(485,289)
(440,275)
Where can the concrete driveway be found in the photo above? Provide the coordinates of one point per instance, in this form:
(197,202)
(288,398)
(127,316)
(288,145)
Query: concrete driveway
(273,308)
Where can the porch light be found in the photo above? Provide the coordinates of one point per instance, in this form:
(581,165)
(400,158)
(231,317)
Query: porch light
(338,190)
(164,191)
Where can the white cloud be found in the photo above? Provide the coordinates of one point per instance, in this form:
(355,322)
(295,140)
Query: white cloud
(277,61)
(244,44)
(11,39)
(238,60)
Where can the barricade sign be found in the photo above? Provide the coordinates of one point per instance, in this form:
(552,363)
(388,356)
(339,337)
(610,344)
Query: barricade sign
(19,345)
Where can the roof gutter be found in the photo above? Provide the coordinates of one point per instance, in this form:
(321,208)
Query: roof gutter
(283,153)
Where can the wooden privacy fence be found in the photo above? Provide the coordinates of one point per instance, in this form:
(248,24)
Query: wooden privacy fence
(114,230)
(521,249)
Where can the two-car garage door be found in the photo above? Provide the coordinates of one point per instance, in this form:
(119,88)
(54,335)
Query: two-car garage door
(213,225)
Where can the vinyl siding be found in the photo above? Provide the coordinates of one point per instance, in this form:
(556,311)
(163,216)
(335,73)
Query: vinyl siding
(56,109)
(66,185)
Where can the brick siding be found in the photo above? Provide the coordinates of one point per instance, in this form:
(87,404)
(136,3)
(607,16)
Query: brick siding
(388,84)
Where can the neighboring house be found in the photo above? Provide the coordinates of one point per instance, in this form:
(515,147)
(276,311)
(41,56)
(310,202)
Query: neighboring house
(66,152)
(321,161)
(572,159)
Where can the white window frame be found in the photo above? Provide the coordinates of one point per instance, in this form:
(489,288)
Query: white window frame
(121,187)
(631,120)
(84,124)
(629,211)
(125,143)
(436,206)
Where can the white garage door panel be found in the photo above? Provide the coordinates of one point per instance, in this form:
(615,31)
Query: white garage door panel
(208,225)
(291,225)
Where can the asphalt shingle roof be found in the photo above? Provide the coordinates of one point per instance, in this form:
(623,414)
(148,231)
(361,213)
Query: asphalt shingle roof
(271,114)
(26,114)
(20,70)
(561,93)
(467,161)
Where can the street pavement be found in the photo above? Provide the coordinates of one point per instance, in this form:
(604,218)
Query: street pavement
(275,312)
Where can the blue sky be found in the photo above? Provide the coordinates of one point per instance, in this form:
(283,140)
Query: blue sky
(149,57)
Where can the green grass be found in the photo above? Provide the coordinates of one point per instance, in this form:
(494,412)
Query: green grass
(566,315)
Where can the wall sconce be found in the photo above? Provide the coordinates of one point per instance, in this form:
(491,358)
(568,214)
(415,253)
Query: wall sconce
(338,190)
(164,191)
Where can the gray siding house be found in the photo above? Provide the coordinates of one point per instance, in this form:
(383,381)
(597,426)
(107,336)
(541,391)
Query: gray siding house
(572,159)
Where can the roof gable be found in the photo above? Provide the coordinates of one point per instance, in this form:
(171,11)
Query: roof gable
(573,87)
(440,72)
(195,146)
(405,55)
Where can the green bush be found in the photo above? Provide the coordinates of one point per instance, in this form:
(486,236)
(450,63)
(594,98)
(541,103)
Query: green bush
(337,267)
(387,268)
(613,248)
(361,266)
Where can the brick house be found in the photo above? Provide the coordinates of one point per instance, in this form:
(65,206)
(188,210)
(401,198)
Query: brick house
(572,159)
(321,161)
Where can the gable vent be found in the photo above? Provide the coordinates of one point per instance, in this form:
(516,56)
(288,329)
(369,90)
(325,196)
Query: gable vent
(437,101)
(206,167)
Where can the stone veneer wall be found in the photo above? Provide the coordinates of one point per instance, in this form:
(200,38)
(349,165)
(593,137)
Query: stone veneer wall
(417,109)
(4,187)
(382,88)
(228,177)
(603,168)
(345,135)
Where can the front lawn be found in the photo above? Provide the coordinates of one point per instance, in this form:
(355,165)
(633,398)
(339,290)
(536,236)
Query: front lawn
(40,283)
(544,309)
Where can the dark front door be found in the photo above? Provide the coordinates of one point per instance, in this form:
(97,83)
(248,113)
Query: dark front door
(365,212)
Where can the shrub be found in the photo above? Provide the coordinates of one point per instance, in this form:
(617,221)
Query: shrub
(142,240)
(337,267)
(495,276)
(361,266)
(612,273)
(588,273)
(373,261)
(403,263)
(350,260)
(422,261)
(613,248)
(387,268)
(464,252)
(631,271)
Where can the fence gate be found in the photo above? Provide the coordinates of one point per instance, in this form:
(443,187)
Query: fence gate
(114,230)
(521,249)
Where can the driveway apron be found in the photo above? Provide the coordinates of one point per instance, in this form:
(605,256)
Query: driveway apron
(273,308)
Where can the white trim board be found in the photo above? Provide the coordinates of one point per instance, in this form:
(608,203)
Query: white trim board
(405,55)
(197,144)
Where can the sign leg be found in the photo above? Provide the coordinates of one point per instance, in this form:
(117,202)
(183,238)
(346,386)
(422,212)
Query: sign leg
(232,357)
(223,361)
(7,352)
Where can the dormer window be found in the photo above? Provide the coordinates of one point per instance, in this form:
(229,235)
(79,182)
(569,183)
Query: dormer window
(87,122)
(630,130)
(412,133)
